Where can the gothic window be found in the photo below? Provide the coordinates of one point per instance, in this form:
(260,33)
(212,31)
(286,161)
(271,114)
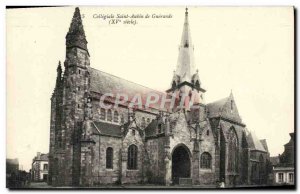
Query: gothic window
(102,114)
(207,132)
(116,116)
(132,157)
(109,158)
(143,125)
(232,151)
(205,160)
(261,166)
(109,115)
(79,72)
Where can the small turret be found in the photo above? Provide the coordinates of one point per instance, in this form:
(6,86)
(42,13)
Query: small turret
(59,73)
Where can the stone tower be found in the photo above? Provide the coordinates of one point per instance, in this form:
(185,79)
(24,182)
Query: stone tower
(74,91)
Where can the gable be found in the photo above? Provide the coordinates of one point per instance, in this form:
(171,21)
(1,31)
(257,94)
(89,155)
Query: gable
(226,108)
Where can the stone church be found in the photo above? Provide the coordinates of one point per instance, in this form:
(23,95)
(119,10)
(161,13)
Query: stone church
(201,144)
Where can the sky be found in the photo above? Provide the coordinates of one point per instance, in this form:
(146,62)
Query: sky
(247,50)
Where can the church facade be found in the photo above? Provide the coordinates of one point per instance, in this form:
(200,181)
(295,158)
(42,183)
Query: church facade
(92,145)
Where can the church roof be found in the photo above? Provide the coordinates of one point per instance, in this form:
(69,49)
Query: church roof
(102,83)
(225,108)
(215,108)
(107,129)
(264,143)
(254,143)
(150,130)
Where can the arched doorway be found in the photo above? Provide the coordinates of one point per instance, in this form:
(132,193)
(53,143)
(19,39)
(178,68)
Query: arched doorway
(181,164)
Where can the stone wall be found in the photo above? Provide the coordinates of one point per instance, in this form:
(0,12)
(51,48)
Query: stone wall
(132,138)
(207,144)
(102,175)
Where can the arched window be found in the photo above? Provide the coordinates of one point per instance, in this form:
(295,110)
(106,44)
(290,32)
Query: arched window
(132,157)
(116,116)
(109,157)
(109,115)
(205,160)
(102,114)
(143,125)
(232,151)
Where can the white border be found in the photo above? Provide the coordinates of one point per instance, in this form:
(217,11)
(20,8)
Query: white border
(5,3)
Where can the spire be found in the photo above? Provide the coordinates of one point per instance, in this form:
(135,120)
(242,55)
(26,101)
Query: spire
(185,65)
(76,35)
(59,72)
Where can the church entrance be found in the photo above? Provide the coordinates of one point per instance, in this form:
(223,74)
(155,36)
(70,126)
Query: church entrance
(181,164)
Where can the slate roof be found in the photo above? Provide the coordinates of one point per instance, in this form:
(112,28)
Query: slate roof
(215,108)
(107,129)
(43,157)
(264,144)
(254,143)
(150,130)
(102,83)
(274,160)
(291,142)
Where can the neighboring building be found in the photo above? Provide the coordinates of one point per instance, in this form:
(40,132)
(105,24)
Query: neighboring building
(92,145)
(40,166)
(259,159)
(12,166)
(16,178)
(285,169)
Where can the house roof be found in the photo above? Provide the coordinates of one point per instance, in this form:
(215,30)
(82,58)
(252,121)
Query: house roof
(43,157)
(12,161)
(254,143)
(274,160)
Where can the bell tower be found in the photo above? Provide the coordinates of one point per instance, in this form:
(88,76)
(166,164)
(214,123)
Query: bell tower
(76,81)
(186,82)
